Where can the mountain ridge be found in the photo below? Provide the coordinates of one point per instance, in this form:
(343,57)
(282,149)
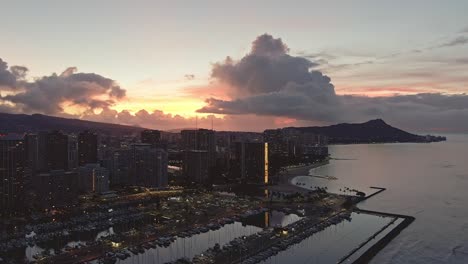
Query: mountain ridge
(21,123)
(372,131)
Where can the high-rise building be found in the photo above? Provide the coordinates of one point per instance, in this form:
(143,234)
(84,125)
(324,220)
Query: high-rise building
(276,141)
(56,188)
(33,155)
(201,139)
(198,146)
(87,147)
(93,178)
(42,161)
(195,165)
(120,167)
(296,145)
(57,151)
(153,137)
(72,152)
(13,173)
(251,159)
(148,166)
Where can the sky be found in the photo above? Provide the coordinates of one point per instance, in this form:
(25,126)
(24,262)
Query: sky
(163,64)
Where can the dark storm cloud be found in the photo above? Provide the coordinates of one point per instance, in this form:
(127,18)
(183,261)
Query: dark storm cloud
(48,93)
(273,83)
(312,101)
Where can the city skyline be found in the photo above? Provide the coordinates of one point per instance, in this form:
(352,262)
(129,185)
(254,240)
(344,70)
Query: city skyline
(232,132)
(163,66)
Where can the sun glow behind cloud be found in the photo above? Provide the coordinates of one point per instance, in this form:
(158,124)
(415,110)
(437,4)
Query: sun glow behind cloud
(176,105)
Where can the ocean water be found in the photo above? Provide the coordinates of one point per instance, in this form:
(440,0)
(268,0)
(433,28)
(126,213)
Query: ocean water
(427,181)
(334,242)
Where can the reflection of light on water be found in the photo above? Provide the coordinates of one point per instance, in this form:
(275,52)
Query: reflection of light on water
(75,244)
(334,242)
(32,234)
(105,233)
(281,219)
(190,246)
(31,251)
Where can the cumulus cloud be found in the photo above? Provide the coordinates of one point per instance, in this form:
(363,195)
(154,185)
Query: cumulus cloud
(96,95)
(266,88)
(159,120)
(270,82)
(267,68)
(47,94)
(294,100)
(9,77)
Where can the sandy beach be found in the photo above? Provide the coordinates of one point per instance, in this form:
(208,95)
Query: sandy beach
(285,185)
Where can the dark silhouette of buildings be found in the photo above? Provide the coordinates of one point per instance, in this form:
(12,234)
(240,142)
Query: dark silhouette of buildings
(276,141)
(87,148)
(199,149)
(72,152)
(32,153)
(152,137)
(120,167)
(14,174)
(196,165)
(56,151)
(295,145)
(148,166)
(251,160)
(93,178)
(56,188)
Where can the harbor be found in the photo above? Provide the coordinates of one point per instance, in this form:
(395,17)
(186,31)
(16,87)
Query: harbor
(313,224)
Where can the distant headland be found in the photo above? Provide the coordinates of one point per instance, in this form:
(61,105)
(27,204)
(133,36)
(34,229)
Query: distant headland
(373,131)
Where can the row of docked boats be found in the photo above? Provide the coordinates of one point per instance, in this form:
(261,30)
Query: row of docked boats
(252,249)
(111,257)
(297,232)
(46,235)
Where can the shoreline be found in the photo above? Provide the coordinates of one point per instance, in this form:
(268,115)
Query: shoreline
(285,185)
(303,170)
(379,245)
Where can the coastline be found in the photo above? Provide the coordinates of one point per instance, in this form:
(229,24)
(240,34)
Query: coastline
(303,170)
(371,252)
(285,178)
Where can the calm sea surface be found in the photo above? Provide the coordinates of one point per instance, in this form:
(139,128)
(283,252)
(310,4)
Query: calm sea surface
(427,181)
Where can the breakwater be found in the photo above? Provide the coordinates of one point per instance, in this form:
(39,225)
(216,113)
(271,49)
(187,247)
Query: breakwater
(379,245)
(380,189)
